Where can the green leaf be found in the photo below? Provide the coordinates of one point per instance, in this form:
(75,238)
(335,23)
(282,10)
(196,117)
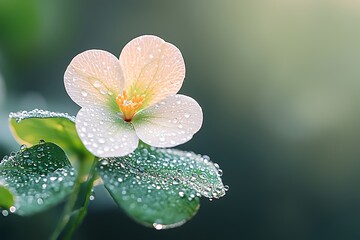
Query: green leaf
(30,127)
(160,187)
(6,197)
(38,177)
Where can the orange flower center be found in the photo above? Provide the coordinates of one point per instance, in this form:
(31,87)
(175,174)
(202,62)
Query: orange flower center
(129,106)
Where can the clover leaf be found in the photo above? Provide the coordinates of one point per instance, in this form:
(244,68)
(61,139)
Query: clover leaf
(161,187)
(37,178)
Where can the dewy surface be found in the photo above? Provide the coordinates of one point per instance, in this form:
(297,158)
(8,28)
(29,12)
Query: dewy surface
(28,127)
(38,177)
(161,186)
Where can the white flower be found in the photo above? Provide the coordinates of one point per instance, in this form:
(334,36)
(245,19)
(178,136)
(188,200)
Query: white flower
(131,98)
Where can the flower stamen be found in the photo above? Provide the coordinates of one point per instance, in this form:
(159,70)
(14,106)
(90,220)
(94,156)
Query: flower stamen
(129,106)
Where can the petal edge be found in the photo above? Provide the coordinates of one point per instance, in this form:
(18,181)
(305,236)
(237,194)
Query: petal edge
(152,67)
(93,78)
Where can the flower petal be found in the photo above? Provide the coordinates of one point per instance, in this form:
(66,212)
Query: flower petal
(152,67)
(94,77)
(170,122)
(105,134)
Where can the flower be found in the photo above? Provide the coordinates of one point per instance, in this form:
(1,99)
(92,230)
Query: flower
(131,98)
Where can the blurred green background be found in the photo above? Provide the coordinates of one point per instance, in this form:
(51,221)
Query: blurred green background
(279,84)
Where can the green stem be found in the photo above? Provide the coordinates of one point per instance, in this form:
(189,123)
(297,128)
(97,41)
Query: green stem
(65,217)
(83,210)
(69,208)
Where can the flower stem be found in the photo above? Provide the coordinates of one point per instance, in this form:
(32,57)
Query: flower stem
(83,209)
(69,212)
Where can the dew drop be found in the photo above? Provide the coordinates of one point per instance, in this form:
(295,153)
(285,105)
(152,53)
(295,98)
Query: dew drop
(12,209)
(53,178)
(26,154)
(226,187)
(101,140)
(158,226)
(181,194)
(5,213)
(104,162)
(40,201)
(84,93)
(23,147)
(187,115)
(97,84)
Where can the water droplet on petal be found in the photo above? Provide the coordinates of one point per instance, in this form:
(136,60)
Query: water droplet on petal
(97,84)
(84,93)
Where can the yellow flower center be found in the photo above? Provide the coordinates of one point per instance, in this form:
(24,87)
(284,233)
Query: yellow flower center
(129,106)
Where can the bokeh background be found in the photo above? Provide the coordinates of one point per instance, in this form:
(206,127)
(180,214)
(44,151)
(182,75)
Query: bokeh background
(279,84)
